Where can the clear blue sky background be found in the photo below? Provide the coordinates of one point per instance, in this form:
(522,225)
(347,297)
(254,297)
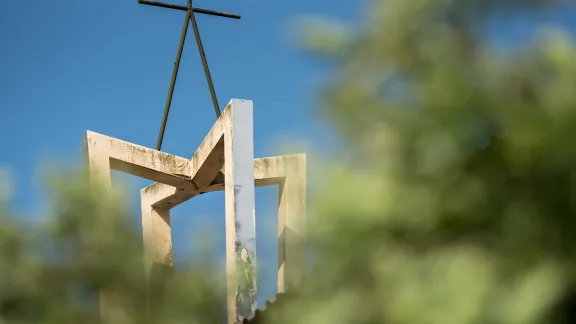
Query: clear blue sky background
(67,66)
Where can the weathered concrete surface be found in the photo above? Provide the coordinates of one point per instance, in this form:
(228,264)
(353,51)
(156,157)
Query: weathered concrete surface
(157,239)
(104,153)
(156,231)
(291,221)
(267,171)
(205,164)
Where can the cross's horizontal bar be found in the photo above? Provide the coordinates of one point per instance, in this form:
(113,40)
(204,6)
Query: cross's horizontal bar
(184,8)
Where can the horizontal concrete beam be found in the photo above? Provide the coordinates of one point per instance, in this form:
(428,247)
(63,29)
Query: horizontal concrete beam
(205,165)
(104,153)
(208,159)
(267,171)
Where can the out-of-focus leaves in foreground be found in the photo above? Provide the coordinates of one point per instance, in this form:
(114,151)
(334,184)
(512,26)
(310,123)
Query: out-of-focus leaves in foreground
(451,202)
(455,203)
(52,272)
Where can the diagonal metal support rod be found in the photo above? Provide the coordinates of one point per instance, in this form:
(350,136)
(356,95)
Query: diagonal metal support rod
(189,17)
(173,82)
(205,64)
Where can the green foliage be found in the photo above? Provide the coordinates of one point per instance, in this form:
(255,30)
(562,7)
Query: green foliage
(456,203)
(52,273)
(450,203)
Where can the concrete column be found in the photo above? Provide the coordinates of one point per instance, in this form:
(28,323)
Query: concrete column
(240,213)
(97,163)
(157,237)
(292,223)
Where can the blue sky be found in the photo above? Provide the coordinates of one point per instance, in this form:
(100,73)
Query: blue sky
(68,66)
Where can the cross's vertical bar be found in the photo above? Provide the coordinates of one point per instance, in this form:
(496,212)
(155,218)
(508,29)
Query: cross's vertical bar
(240,213)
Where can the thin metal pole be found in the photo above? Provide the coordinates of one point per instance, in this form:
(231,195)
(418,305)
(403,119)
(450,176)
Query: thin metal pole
(173,81)
(205,64)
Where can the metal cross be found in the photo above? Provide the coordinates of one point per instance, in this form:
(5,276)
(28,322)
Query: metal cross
(189,17)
